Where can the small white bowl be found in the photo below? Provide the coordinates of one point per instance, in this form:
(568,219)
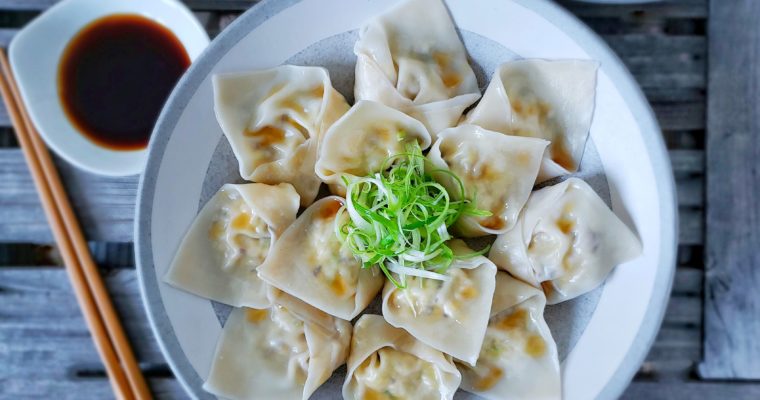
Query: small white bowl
(35,53)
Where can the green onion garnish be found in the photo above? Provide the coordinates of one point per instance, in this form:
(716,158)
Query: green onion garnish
(399,218)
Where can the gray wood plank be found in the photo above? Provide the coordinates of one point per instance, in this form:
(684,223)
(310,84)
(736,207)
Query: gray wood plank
(44,342)
(692,390)
(672,9)
(732,303)
(105,206)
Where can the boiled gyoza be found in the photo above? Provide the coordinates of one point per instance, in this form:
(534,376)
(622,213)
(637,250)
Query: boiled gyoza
(451,316)
(411,58)
(518,359)
(566,241)
(386,363)
(274,120)
(359,142)
(552,100)
(284,352)
(311,263)
(498,172)
(229,239)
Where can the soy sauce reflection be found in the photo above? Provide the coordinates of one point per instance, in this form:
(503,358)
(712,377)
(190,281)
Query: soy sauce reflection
(115,76)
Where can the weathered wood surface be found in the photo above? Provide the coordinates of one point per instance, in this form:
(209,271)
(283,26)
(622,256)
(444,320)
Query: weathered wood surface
(732,302)
(106,205)
(45,350)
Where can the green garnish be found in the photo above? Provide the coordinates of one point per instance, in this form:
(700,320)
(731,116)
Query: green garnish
(399,218)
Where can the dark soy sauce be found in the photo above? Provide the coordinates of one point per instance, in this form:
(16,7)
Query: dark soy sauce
(115,76)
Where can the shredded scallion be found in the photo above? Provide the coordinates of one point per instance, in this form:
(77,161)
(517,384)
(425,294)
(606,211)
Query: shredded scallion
(399,218)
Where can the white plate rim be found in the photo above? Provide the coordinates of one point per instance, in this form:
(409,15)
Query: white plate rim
(586,39)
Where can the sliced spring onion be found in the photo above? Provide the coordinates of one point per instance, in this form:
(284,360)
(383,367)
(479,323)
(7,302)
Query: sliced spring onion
(399,218)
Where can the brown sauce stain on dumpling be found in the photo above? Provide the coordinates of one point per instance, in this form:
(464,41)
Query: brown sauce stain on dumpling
(266,136)
(318,92)
(339,286)
(254,315)
(548,287)
(561,155)
(329,210)
(489,380)
(493,222)
(516,320)
(451,79)
(565,225)
(535,346)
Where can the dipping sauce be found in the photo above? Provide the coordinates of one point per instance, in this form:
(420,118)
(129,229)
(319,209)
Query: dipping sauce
(115,76)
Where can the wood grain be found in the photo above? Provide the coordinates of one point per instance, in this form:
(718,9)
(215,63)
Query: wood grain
(732,302)
(44,343)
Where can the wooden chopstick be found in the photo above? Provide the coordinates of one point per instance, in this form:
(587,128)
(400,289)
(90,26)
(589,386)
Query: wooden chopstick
(126,378)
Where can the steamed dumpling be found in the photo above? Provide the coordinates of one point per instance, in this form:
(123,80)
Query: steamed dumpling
(410,58)
(387,363)
(497,170)
(449,316)
(519,357)
(311,263)
(552,100)
(274,120)
(362,140)
(229,239)
(283,352)
(566,241)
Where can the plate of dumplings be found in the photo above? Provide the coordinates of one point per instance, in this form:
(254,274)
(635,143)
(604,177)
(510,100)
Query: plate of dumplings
(414,199)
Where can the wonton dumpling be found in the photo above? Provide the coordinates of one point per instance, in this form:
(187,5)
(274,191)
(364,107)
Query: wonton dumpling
(449,316)
(552,100)
(497,170)
(274,120)
(360,141)
(229,239)
(311,263)
(410,58)
(283,352)
(566,241)
(387,363)
(519,357)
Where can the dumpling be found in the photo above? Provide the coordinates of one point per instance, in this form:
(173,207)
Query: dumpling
(387,363)
(411,58)
(552,100)
(284,352)
(497,170)
(310,262)
(566,241)
(274,120)
(229,239)
(364,138)
(519,357)
(450,316)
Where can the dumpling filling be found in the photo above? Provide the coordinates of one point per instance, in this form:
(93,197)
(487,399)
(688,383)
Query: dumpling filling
(332,261)
(390,374)
(433,298)
(240,236)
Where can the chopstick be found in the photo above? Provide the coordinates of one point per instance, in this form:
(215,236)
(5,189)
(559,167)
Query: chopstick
(121,366)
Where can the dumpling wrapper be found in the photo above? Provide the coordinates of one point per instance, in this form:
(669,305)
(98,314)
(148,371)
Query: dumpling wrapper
(566,241)
(311,263)
(388,363)
(519,356)
(283,352)
(449,316)
(552,100)
(411,58)
(360,141)
(274,120)
(229,239)
(497,170)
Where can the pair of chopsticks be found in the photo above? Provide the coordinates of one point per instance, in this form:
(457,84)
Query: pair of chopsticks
(111,342)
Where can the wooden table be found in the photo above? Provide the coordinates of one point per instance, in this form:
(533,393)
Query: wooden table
(45,349)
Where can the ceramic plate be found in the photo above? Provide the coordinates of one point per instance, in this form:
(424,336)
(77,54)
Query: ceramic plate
(603,336)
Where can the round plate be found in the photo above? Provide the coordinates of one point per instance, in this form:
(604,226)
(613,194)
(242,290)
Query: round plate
(603,337)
